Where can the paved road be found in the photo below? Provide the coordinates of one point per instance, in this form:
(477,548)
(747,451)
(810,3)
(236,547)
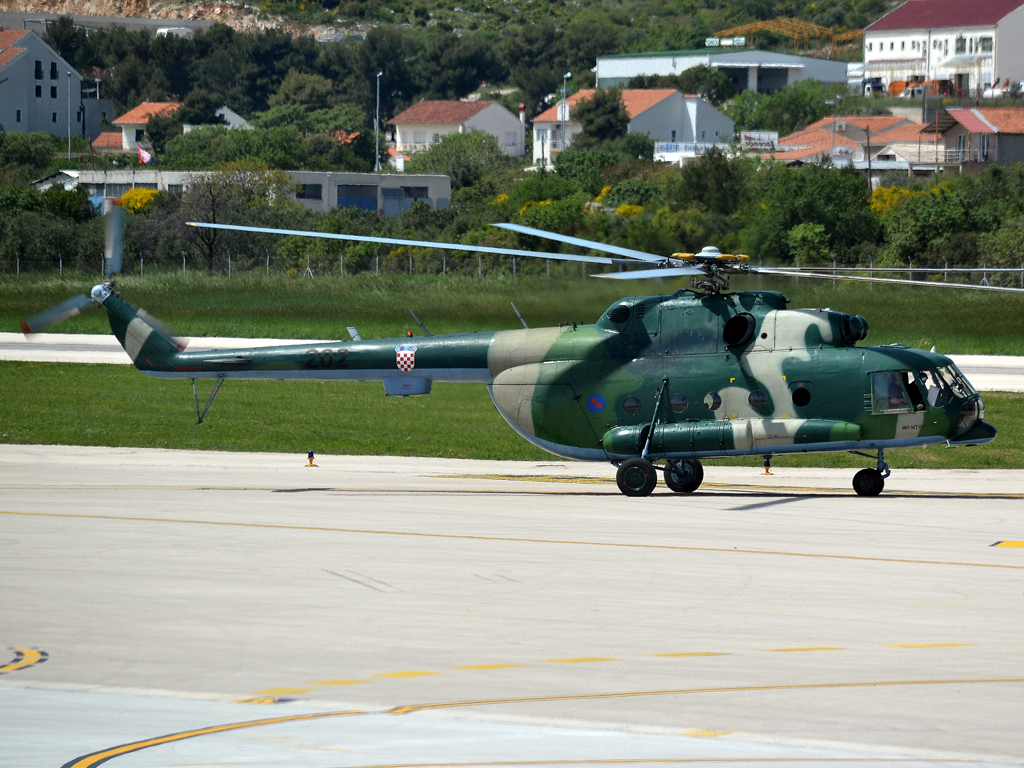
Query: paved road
(988,373)
(414,611)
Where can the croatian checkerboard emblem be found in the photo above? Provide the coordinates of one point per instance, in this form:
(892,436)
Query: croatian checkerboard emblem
(405,357)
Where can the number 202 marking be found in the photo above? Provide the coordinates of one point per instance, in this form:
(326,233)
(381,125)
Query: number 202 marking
(325,359)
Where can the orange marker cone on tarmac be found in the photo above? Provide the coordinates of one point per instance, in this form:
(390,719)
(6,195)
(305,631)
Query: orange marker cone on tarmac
(311,464)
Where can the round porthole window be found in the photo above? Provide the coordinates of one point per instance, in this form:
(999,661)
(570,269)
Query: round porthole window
(757,399)
(713,401)
(801,397)
(631,405)
(679,403)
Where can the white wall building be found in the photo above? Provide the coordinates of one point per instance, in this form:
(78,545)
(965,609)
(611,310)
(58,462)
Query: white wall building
(422,125)
(971,44)
(39,91)
(133,122)
(664,114)
(749,70)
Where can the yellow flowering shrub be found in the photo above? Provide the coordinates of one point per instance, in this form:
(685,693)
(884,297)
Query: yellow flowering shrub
(531,204)
(135,200)
(885,200)
(632,211)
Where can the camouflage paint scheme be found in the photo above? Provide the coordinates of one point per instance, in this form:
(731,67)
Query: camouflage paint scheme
(571,390)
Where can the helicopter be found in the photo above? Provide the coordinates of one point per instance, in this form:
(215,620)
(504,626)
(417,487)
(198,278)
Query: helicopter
(700,373)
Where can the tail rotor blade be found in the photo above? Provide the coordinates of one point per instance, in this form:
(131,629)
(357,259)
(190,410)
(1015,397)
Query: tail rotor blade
(56,314)
(163,331)
(113,224)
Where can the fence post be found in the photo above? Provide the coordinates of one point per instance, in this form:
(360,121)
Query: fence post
(229,264)
(376,261)
(479,265)
(142,266)
(61,259)
(268,261)
(183,263)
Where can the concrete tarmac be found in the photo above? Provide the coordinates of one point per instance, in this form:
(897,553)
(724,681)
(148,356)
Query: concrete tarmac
(988,373)
(172,608)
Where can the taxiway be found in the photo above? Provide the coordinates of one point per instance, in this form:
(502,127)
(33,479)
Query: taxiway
(169,608)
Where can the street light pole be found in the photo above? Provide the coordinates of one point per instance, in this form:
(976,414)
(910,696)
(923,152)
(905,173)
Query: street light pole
(376,124)
(565,104)
(69,115)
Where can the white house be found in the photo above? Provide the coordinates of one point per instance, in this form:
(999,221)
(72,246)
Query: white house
(40,91)
(422,125)
(133,122)
(971,44)
(664,114)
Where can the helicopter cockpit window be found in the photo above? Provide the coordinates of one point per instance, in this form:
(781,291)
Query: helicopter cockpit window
(934,388)
(955,381)
(888,394)
(916,397)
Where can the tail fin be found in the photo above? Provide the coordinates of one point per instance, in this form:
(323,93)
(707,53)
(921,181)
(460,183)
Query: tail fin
(147,345)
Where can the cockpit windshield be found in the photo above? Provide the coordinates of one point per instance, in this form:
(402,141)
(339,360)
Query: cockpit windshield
(943,385)
(956,381)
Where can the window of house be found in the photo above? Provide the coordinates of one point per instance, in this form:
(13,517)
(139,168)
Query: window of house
(984,146)
(53,118)
(541,134)
(139,134)
(103,116)
(78,115)
(310,192)
(986,45)
(437,138)
(961,45)
(175,189)
(703,135)
(17,117)
(510,138)
(416,193)
(419,137)
(53,70)
(53,91)
(39,91)
(903,45)
(39,70)
(892,46)
(673,137)
(870,45)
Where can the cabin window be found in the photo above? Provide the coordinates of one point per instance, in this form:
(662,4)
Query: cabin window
(888,394)
(631,405)
(679,403)
(757,399)
(801,396)
(713,401)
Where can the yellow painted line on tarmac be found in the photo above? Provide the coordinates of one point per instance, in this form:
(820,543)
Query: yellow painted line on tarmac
(704,733)
(1009,544)
(667,761)
(320,683)
(808,648)
(96,758)
(490,666)
(579,660)
(932,645)
(514,539)
(282,691)
(23,658)
(408,673)
(690,691)
(686,654)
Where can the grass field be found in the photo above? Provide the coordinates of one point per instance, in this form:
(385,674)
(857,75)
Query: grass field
(954,321)
(117,406)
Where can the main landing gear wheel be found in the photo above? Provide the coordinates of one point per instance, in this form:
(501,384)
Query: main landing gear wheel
(684,476)
(868,482)
(636,477)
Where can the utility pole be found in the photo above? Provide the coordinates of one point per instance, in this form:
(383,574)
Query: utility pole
(376,125)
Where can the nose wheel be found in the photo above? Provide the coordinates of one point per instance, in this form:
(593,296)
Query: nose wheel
(636,477)
(870,482)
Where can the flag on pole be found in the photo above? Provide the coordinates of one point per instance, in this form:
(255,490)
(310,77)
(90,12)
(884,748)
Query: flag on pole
(144,156)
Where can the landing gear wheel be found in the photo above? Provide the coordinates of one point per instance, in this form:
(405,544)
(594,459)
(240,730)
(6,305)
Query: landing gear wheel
(684,476)
(636,477)
(868,482)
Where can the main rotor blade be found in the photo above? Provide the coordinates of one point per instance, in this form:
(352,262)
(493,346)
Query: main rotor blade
(642,274)
(56,314)
(902,269)
(113,231)
(641,255)
(399,241)
(925,283)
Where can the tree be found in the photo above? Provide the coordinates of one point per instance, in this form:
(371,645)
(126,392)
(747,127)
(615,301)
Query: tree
(465,157)
(808,243)
(304,90)
(240,193)
(711,84)
(715,183)
(603,116)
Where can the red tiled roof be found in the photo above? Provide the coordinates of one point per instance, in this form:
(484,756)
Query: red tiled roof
(147,109)
(440,112)
(635,100)
(873,123)
(9,53)
(907,134)
(798,154)
(970,120)
(108,140)
(345,137)
(9,37)
(938,14)
(817,138)
(1006,119)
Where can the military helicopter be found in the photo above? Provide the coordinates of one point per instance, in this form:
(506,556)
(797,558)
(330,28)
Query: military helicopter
(701,373)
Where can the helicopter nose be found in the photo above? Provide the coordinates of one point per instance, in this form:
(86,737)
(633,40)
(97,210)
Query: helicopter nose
(972,413)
